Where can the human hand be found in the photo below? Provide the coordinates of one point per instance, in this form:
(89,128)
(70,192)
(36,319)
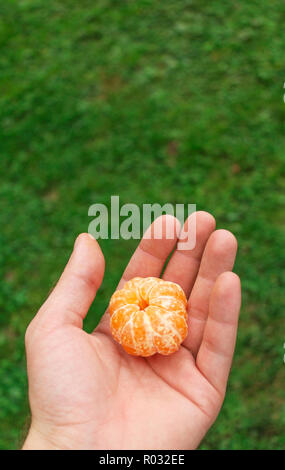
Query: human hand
(85,392)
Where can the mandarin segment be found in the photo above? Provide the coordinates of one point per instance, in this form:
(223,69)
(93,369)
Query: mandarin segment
(167,330)
(170,304)
(147,285)
(120,317)
(123,297)
(143,336)
(149,316)
(168,289)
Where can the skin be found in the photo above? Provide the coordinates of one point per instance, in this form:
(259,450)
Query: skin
(85,392)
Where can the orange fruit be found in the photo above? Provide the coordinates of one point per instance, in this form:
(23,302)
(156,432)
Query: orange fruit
(149,316)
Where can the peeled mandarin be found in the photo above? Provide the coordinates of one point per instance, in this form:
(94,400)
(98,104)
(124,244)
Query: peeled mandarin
(149,316)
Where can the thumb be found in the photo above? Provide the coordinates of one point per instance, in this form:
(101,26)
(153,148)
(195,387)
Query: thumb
(71,298)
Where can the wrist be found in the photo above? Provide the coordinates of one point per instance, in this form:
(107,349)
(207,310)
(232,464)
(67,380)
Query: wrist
(36,440)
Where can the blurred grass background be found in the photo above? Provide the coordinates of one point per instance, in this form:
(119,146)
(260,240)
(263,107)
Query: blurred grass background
(174,101)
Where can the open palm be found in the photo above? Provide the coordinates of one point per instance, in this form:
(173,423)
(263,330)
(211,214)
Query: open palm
(87,393)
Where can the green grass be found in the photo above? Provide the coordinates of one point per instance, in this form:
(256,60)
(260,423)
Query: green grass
(173,101)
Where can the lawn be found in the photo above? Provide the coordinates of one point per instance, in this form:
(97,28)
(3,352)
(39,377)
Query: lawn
(173,101)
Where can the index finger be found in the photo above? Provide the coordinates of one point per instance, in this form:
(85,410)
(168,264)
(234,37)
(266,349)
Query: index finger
(150,256)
